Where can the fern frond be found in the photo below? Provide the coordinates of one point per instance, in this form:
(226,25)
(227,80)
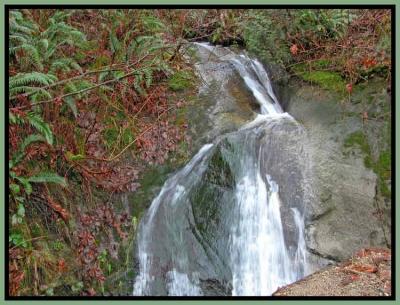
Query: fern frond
(43,45)
(37,78)
(48,177)
(25,183)
(152,24)
(65,65)
(40,95)
(148,75)
(18,38)
(115,44)
(29,51)
(17,157)
(37,122)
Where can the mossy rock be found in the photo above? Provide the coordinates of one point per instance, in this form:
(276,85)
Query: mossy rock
(219,172)
(381,166)
(205,208)
(315,73)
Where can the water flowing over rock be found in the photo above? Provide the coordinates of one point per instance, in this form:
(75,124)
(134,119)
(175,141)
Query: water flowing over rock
(231,222)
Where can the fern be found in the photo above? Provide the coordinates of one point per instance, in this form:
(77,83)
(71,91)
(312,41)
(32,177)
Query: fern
(31,48)
(47,177)
(15,118)
(148,75)
(42,177)
(152,24)
(43,45)
(37,122)
(25,183)
(115,44)
(40,95)
(28,51)
(24,79)
(65,65)
(17,38)
(17,157)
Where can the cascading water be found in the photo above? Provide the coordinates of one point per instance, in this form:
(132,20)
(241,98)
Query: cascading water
(231,221)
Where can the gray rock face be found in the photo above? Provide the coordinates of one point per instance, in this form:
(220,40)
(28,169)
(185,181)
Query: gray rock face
(186,239)
(187,233)
(344,217)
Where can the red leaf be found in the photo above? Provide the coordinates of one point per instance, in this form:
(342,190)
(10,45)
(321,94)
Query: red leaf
(61,265)
(294,49)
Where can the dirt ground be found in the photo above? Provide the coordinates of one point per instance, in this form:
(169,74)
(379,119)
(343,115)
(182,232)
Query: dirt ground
(367,273)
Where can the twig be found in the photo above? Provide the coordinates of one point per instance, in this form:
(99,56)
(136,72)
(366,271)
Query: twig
(129,145)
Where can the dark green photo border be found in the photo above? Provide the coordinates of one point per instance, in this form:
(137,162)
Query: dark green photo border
(3,168)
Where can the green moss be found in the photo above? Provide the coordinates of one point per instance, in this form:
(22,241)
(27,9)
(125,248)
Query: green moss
(181,114)
(359,139)
(152,179)
(324,79)
(321,64)
(382,166)
(316,73)
(219,172)
(180,81)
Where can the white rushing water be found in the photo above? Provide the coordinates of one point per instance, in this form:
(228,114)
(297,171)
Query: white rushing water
(260,261)
(179,284)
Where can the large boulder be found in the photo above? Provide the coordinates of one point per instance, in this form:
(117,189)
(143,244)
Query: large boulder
(349,212)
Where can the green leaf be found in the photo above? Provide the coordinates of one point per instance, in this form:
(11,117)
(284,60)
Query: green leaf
(46,177)
(115,44)
(21,210)
(18,240)
(15,189)
(71,157)
(20,199)
(25,183)
(12,118)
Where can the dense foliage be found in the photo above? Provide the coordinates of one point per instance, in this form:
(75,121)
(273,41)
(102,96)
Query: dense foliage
(343,45)
(88,90)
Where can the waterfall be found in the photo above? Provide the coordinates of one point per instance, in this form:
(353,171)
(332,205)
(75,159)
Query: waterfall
(243,244)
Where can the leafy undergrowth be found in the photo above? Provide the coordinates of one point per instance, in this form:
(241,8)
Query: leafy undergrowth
(92,104)
(332,48)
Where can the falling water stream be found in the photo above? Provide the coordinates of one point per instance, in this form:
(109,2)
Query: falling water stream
(242,234)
